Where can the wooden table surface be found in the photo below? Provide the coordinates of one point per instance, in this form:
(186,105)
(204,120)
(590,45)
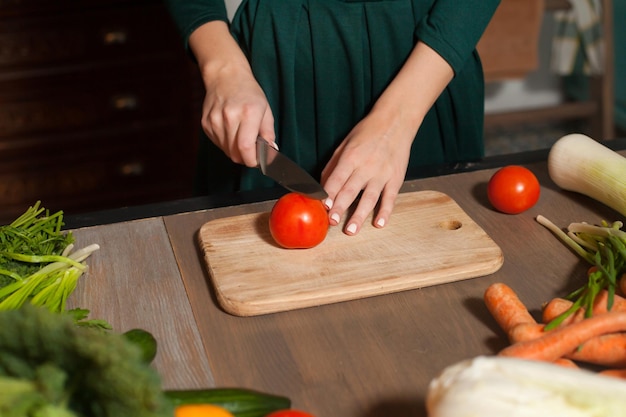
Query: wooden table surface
(372,357)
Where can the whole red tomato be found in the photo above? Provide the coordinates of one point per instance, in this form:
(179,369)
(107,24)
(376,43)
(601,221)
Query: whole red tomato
(298,222)
(513,189)
(289,413)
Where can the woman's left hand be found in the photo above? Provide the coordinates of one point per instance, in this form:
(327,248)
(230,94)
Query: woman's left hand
(373,159)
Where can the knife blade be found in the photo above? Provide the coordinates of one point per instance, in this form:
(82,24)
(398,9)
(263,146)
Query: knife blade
(286,172)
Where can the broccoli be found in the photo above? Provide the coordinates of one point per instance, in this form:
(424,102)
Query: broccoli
(50,367)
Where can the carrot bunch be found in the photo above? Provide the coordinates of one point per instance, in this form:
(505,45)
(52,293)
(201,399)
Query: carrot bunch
(598,338)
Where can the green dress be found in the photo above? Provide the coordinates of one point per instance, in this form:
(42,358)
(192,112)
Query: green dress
(323,63)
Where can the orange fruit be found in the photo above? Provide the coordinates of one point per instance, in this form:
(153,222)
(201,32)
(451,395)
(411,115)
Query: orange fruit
(201,410)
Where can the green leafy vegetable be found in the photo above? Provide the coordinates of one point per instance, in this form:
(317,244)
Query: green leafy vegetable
(80,318)
(145,341)
(51,367)
(36,232)
(603,246)
(38,263)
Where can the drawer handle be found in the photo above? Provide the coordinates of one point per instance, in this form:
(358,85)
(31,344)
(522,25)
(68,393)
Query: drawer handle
(132,169)
(124,102)
(115,37)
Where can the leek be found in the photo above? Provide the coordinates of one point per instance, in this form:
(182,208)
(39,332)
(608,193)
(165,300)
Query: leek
(578,163)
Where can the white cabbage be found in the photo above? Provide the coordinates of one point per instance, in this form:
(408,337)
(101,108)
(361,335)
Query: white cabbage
(507,387)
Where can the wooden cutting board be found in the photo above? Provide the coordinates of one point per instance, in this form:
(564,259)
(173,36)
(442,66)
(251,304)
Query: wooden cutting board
(429,240)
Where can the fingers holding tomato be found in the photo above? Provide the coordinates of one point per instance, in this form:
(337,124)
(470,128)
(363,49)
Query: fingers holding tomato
(513,189)
(298,222)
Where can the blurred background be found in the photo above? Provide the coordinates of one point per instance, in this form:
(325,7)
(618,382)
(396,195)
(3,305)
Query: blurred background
(540,105)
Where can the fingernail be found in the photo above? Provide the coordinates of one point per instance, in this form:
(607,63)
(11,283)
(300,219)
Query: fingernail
(335,217)
(275,145)
(380,222)
(328,203)
(351,228)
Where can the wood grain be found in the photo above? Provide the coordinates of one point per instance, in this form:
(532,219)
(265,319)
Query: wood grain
(133,282)
(371,357)
(375,356)
(430,241)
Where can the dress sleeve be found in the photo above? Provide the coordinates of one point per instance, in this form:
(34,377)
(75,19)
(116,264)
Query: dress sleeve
(188,15)
(453,28)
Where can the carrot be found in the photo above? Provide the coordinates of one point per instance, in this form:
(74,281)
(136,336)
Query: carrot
(555,308)
(614,373)
(506,307)
(526,331)
(606,350)
(601,303)
(567,363)
(564,340)
(558,306)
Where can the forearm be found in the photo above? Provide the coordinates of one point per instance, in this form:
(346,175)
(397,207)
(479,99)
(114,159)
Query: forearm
(216,51)
(414,90)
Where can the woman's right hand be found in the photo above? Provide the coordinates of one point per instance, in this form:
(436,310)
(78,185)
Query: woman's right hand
(235,109)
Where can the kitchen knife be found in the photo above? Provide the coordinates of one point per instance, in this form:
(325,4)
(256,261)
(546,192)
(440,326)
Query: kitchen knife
(286,172)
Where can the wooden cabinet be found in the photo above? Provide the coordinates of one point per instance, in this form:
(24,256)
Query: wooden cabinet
(96,106)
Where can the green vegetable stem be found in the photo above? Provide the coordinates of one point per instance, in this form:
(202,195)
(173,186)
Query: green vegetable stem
(38,263)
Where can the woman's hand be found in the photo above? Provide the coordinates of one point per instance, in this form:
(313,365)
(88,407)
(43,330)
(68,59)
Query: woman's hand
(235,109)
(373,158)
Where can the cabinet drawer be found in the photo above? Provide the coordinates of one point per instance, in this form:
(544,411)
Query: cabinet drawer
(87,38)
(93,100)
(97,106)
(130,168)
(10,8)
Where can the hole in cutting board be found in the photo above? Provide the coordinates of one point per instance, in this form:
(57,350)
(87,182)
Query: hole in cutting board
(451,225)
